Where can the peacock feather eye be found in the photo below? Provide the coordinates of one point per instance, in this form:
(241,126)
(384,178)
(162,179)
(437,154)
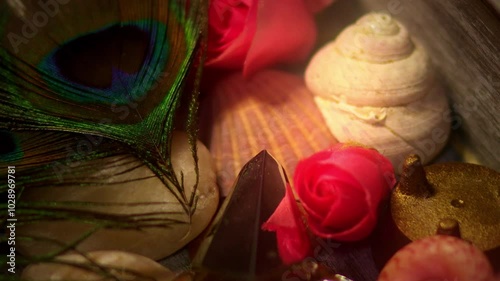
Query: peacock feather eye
(10,148)
(116,71)
(90,90)
(112,68)
(114,65)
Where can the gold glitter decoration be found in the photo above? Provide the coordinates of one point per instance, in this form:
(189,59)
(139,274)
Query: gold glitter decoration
(456,199)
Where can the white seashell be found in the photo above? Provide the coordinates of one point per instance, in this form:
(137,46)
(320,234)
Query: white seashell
(149,196)
(375,85)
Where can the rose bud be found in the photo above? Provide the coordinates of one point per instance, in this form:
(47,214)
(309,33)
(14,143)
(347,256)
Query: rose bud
(341,189)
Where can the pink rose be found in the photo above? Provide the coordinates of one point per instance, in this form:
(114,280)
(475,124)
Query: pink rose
(253,34)
(341,189)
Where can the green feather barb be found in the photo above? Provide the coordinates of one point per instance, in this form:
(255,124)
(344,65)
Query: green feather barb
(111,74)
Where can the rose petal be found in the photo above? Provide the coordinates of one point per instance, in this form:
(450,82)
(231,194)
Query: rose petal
(230,52)
(316,206)
(374,166)
(345,152)
(359,231)
(285,33)
(318,184)
(291,234)
(312,171)
(292,247)
(283,216)
(347,208)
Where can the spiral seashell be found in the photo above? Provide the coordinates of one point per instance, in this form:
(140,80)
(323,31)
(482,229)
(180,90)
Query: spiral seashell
(375,85)
(271,110)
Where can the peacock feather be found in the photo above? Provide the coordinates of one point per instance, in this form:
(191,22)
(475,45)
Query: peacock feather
(87,80)
(111,69)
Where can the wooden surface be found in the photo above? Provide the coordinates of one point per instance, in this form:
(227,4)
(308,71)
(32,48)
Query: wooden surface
(463,40)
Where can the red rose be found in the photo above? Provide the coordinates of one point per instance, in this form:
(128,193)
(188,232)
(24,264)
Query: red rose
(341,189)
(253,34)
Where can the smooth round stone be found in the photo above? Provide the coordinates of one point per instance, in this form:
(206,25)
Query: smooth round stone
(127,266)
(151,193)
